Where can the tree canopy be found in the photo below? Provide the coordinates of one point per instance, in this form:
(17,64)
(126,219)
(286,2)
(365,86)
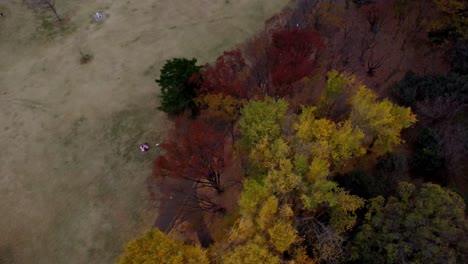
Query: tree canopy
(261,119)
(156,247)
(178,85)
(382,122)
(425,225)
(196,152)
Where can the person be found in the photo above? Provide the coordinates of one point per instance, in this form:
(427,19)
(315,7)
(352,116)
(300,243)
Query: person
(144,147)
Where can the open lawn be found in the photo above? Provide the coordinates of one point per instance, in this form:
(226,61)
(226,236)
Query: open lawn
(71,175)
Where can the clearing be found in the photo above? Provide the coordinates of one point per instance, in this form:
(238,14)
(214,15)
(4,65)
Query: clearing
(71,175)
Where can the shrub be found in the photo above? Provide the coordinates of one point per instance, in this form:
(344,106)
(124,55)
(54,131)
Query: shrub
(86,57)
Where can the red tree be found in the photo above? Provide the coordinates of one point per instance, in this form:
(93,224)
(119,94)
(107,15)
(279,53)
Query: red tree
(194,151)
(293,53)
(226,76)
(259,62)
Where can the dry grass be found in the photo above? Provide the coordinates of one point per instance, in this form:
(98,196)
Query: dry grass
(71,177)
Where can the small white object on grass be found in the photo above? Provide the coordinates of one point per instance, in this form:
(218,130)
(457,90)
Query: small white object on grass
(157,145)
(98,17)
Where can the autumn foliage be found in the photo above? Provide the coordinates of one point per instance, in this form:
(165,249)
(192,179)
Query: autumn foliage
(226,76)
(156,247)
(293,53)
(194,151)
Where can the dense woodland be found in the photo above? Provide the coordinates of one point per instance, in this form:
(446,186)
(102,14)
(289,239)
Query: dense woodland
(338,134)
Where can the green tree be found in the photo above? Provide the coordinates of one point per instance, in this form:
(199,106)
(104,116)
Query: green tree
(414,88)
(391,169)
(178,85)
(262,120)
(418,226)
(156,247)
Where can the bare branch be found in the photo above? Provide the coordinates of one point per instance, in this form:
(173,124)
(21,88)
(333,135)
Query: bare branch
(43,4)
(375,63)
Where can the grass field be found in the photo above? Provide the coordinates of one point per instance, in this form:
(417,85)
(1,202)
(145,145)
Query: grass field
(71,176)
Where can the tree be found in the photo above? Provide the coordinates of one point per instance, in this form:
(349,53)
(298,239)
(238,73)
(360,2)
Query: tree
(44,4)
(273,161)
(156,247)
(391,169)
(302,9)
(178,85)
(336,84)
(227,76)
(427,157)
(265,223)
(333,143)
(414,88)
(250,252)
(294,52)
(382,122)
(195,201)
(452,19)
(375,19)
(259,60)
(195,152)
(419,226)
(222,108)
(262,120)
(402,10)
(375,63)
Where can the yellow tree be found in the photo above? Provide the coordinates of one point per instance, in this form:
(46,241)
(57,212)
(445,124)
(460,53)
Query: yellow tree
(264,231)
(224,108)
(381,121)
(336,84)
(156,247)
(331,142)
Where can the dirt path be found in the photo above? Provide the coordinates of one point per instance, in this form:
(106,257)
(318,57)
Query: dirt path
(71,177)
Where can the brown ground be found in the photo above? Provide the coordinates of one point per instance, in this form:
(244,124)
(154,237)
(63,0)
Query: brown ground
(71,176)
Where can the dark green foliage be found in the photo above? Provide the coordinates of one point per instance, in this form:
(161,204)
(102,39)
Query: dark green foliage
(417,226)
(391,168)
(427,157)
(177,87)
(413,88)
(440,36)
(359,183)
(459,58)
